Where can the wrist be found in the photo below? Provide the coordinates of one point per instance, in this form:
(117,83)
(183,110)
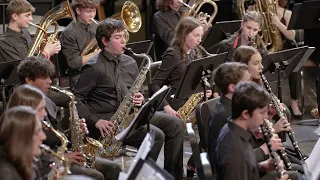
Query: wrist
(46,54)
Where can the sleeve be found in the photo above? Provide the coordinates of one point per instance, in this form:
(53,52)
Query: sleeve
(162,28)
(87,82)
(235,168)
(70,50)
(259,154)
(163,73)
(8,52)
(223,47)
(6,173)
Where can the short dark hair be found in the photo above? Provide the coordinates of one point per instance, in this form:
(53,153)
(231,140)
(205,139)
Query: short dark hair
(106,28)
(35,67)
(243,54)
(248,96)
(19,7)
(84,4)
(228,73)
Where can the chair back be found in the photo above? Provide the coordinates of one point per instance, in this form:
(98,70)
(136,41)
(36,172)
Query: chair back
(203,111)
(200,159)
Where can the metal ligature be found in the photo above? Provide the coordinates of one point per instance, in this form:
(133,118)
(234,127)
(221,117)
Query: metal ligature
(124,114)
(89,147)
(281,114)
(268,132)
(63,10)
(59,159)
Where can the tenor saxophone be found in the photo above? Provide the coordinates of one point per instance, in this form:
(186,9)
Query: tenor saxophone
(188,107)
(59,159)
(123,116)
(281,114)
(89,147)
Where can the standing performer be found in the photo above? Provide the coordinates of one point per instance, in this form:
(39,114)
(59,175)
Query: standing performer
(76,35)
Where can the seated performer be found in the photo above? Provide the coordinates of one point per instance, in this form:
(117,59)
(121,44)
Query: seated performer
(16,41)
(36,71)
(248,35)
(17,151)
(183,50)
(233,155)
(103,85)
(77,34)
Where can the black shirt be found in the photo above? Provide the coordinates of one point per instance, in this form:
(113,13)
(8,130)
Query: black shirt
(233,154)
(102,86)
(73,39)
(169,73)
(14,45)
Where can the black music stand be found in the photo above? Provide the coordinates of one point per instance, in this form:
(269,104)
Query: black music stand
(139,48)
(197,75)
(279,65)
(146,112)
(219,32)
(9,78)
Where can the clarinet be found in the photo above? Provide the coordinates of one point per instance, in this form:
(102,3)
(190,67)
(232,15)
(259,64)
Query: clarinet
(281,114)
(268,132)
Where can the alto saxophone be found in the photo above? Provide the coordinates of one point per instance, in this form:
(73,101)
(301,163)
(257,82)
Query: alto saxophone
(59,158)
(122,117)
(281,114)
(62,158)
(78,139)
(268,133)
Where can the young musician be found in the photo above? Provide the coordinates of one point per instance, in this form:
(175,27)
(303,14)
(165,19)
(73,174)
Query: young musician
(233,155)
(183,50)
(165,22)
(16,41)
(36,72)
(250,26)
(15,164)
(281,20)
(103,85)
(77,34)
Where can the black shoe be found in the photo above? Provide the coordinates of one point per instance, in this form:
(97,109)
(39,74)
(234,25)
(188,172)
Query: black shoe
(296,116)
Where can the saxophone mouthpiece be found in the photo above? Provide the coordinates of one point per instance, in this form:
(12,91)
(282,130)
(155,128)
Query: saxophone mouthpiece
(128,51)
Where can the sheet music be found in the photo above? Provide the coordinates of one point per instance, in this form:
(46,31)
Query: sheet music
(123,133)
(313,162)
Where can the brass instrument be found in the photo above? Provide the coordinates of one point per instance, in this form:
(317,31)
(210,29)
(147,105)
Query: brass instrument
(123,116)
(188,107)
(281,114)
(205,51)
(268,132)
(195,6)
(78,139)
(270,34)
(131,17)
(63,10)
(315,112)
(65,161)
(60,160)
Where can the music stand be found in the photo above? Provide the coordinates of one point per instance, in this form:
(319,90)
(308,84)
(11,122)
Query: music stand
(9,78)
(197,75)
(145,114)
(279,65)
(139,48)
(219,32)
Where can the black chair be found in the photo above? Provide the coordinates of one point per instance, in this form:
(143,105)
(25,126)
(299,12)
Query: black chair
(153,69)
(200,159)
(202,115)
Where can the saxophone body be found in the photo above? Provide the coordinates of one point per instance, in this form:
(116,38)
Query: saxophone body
(124,115)
(59,160)
(63,10)
(268,133)
(89,147)
(188,107)
(281,114)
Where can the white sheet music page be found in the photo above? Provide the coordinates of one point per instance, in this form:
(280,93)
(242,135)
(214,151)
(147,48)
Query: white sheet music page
(313,162)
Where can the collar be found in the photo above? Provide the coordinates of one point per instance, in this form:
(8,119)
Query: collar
(15,33)
(110,57)
(225,100)
(82,25)
(243,134)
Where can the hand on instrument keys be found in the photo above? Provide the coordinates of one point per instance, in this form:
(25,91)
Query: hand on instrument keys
(208,93)
(282,125)
(137,99)
(105,127)
(83,125)
(52,48)
(275,20)
(168,109)
(272,110)
(76,158)
(276,144)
